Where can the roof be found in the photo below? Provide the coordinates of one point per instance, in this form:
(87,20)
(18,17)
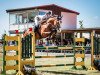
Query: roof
(46,7)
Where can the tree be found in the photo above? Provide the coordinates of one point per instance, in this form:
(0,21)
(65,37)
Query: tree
(81,24)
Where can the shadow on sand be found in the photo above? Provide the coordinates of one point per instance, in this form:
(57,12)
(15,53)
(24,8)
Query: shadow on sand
(64,73)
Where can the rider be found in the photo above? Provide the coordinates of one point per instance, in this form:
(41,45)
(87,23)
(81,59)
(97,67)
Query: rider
(37,24)
(47,16)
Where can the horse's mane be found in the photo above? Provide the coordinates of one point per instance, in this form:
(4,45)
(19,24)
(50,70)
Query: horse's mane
(43,22)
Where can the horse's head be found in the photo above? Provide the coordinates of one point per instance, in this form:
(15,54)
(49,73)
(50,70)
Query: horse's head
(55,23)
(59,21)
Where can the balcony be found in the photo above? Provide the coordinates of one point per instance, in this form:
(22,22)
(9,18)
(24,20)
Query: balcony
(23,20)
(21,27)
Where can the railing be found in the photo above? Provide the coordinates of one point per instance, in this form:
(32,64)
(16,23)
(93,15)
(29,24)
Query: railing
(21,26)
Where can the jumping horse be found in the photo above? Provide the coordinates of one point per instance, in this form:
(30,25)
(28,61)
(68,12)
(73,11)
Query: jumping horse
(47,28)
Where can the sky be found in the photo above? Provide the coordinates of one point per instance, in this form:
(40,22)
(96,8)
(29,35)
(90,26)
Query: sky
(89,10)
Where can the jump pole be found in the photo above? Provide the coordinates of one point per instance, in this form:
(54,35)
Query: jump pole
(33,47)
(92,50)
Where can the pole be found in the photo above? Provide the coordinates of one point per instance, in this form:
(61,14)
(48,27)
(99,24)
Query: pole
(61,38)
(33,48)
(92,47)
(4,43)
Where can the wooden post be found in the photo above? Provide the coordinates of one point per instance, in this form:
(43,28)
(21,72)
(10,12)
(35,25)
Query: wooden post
(74,49)
(47,50)
(92,50)
(4,43)
(97,45)
(33,48)
(61,38)
(80,34)
(19,52)
(20,67)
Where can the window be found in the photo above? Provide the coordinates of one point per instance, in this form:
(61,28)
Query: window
(41,13)
(18,18)
(12,18)
(31,16)
(26,17)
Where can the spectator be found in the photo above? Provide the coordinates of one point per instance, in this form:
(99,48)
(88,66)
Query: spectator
(41,43)
(47,42)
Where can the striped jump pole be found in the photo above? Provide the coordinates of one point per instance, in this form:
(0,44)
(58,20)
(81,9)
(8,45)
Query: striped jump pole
(60,56)
(54,65)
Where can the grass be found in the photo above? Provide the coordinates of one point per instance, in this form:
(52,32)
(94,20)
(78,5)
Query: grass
(64,70)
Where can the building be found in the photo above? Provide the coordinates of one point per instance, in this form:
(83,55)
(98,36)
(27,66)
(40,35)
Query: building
(20,19)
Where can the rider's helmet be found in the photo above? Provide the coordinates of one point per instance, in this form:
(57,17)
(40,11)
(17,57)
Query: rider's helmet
(49,13)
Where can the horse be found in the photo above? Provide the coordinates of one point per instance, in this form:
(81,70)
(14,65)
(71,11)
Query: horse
(47,28)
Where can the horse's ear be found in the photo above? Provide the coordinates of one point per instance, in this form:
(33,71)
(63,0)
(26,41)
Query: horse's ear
(61,16)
